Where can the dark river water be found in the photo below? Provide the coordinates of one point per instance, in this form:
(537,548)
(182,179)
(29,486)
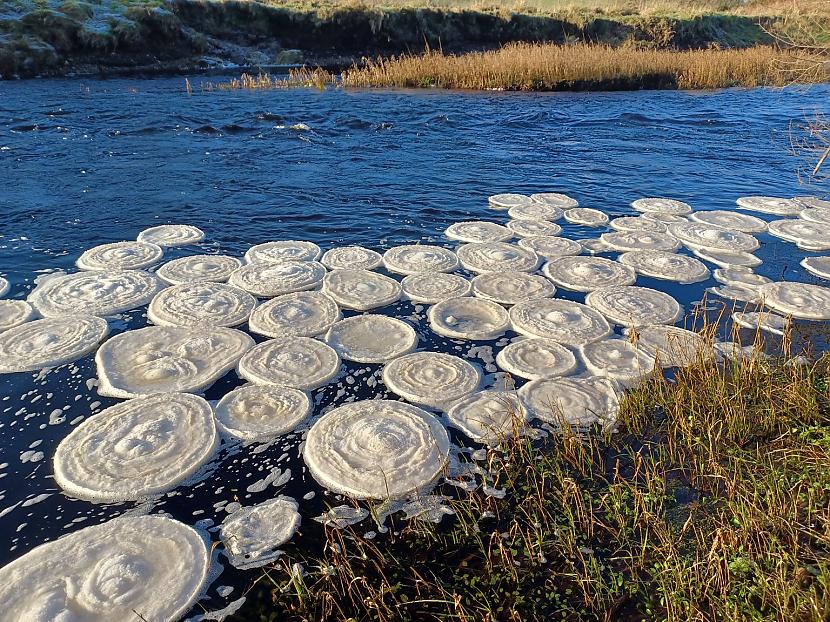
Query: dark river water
(91,161)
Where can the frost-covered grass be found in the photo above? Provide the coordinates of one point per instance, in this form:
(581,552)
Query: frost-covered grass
(712,502)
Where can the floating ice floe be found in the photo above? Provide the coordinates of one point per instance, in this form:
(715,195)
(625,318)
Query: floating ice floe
(168,359)
(478,231)
(585,274)
(5,286)
(431,379)
(201,304)
(285,250)
(663,217)
(729,350)
(14,313)
(468,318)
(508,200)
(801,300)
(361,290)
(671,346)
(736,291)
(809,202)
(699,235)
(298,362)
(252,412)
(770,205)
(816,214)
(663,206)
(137,449)
(665,266)
(742,276)
(172,235)
(342,516)
(198,269)
(629,305)
(266,280)
(593,246)
(533,228)
(586,216)
(488,416)
(120,256)
(50,342)
(726,259)
(252,534)
(639,240)
(536,211)
(637,223)
(351,257)
(761,320)
(128,568)
(376,449)
(565,321)
(579,402)
(299,314)
(549,246)
(730,220)
(808,235)
(430,288)
(497,257)
(94,293)
(533,358)
(556,199)
(371,338)
(508,288)
(418,258)
(818,266)
(617,359)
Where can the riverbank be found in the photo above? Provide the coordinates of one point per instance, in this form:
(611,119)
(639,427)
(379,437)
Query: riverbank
(59,37)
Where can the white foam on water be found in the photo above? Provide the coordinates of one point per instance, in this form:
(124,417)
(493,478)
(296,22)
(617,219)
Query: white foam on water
(252,534)
(478,231)
(487,416)
(120,256)
(770,205)
(172,235)
(49,342)
(418,258)
(730,220)
(809,235)
(536,211)
(637,223)
(507,200)
(267,280)
(371,338)
(508,288)
(585,274)
(377,449)
(253,412)
(351,257)
(201,304)
(661,205)
(497,257)
(671,346)
(586,216)
(533,228)
(725,259)
(167,359)
(550,247)
(361,290)
(534,358)
(818,266)
(299,362)
(666,266)
(699,235)
(299,314)
(579,402)
(801,300)
(556,199)
(137,449)
(629,305)
(761,320)
(198,269)
(282,251)
(565,321)
(640,240)
(468,318)
(14,313)
(430,288)
(617,359)
(431,379)
(152,566)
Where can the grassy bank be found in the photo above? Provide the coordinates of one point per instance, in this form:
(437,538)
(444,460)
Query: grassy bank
(712,502)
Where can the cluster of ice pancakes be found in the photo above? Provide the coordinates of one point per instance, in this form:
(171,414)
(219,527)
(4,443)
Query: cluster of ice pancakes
(511,284)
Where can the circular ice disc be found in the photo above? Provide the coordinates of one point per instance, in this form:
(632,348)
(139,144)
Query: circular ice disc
(726,259)
(814,235)
(585,274)
(672,346)
(617,359)
(536,211)
(361,290)
(736,291)
(586,216)
(664,206)
(761,320)
(637,223)
(430,288)
(555,199)
(770,205)
(301,314)
(698,234)
(285,250)
(508,288)
(50,342)
(137,449)
(431,379)
(663,217)
(730,220)
(629,305)
(298,362)
(94,293)
(534,358)
(258,411)
(497,257)
(172,235)
(816,202)
(593,246)
(741,276)
(666,266)
(201,304)
(549,247)
(252,534)
(14,313)
(580,402)
(508,200)
(487,416)
(198,269)
(818,266)
(478,231)
(168,359)
(640,240)
(564,321)
(351,257)
(371,338)
(5,286)
(417,258)
(533,228)
(816,214)
(120,256)
(149,564)
(376,449)
(468,318)
(801,300)
(266,280)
